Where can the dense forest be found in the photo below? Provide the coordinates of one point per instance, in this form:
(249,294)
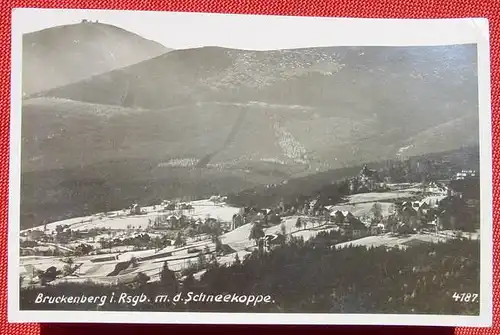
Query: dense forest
(312,277)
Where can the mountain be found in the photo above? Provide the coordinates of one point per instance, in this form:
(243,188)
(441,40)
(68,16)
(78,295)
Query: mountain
(333,78)
(214,120)
(66,54)
(320,108)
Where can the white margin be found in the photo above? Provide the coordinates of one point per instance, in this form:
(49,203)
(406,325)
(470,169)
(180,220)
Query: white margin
(356,32)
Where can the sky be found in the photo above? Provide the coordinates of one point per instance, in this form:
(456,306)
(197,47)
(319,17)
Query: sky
(253,32)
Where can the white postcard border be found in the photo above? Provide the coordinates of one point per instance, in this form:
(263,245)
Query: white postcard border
(362,32)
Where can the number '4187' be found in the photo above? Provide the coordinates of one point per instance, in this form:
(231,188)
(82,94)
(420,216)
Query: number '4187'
(465,297)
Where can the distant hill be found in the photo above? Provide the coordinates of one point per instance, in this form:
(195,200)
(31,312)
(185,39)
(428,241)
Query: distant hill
(443,137)
(66,54)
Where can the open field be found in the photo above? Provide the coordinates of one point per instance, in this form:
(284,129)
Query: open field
(391,241)
(362,209)
(382,196)
(120,220)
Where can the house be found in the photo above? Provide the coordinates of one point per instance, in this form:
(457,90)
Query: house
(135,209)
(465,174)
(424,206)
(272,240)
(431,226)
(173,221)
(376,228)
(217,199)
(341,217)
(356,229)
(348,223)
(405,229)
(210,221)
(408,214)
(168,205)
(411,204)
(35,235)
(184,206)
(182,221)
(237,221)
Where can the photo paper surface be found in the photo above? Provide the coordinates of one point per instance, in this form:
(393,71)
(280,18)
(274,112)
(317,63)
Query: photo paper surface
(213,168)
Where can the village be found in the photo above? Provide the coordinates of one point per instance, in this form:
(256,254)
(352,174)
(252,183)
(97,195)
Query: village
(135,244)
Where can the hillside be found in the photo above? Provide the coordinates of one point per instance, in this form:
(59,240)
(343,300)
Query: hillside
(213,120)
(60,133)
(443,137)
(66,54)
(393,81)
(321,108)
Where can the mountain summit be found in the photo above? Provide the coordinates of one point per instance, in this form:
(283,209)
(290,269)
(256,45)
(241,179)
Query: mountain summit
(66,54)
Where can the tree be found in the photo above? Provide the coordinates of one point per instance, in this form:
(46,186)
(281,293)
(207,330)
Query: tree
(157,243)
(68,261)
(48,275)
(377,211)
(189,283)
(298,224)
(191,232)
(213,261)
(218,244)
(237,261)
(256,233)
(134,262)
(68,268)
(392,209)
(83,249)
(283,229)
(305,223)
(168,280)
(59,230)
(142,279)
(104,243)
(392,223)
(215,231)
(201,260)
(179,240)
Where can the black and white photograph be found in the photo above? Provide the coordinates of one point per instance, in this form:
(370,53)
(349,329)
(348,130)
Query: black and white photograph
(215,168)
